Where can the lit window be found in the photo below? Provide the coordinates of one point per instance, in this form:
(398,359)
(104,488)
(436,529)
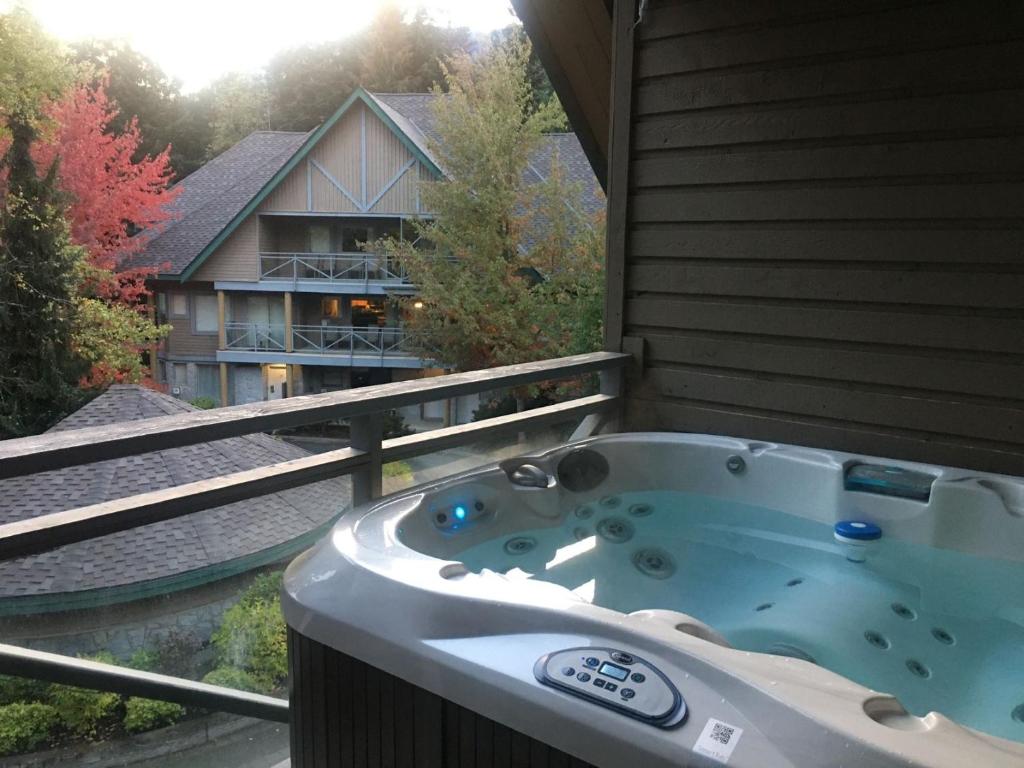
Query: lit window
(331,307)
(179,305)
(206,314)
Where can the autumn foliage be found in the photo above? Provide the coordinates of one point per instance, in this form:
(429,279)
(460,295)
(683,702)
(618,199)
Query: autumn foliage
(111,196)
(115,205)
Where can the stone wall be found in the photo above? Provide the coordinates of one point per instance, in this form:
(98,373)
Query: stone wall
(125,628)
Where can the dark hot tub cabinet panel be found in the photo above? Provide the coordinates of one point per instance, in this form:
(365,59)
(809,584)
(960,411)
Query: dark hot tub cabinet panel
(349,713)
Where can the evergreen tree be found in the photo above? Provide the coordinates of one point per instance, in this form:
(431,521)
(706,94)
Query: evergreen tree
(517,272)
(38,283)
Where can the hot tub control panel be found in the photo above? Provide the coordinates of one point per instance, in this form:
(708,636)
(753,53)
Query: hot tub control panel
(615,679)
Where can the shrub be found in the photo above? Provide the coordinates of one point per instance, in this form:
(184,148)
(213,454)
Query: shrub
(147,714)
(231,677)
(175,654)
(145,659)
(23,727)
(252,635)
(394,425)
(21,689)
(397,469)
(264,588)
(81,710)
(203,403)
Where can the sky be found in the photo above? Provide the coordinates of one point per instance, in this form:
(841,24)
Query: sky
(197,41)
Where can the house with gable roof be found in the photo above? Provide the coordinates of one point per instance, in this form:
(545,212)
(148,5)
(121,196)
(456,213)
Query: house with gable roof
(263,275)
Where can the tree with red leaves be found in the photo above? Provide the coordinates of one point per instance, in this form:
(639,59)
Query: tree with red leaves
(116,205)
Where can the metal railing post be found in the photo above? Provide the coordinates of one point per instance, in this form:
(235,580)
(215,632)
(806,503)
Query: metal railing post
(367,432)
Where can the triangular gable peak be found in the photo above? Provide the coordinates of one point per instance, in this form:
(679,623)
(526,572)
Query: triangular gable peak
(362,165)
(358,162)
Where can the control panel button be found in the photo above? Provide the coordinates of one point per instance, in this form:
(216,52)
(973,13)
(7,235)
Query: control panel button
(616,679)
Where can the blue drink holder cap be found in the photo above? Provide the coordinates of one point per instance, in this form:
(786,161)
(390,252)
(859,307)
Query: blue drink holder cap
(858,530)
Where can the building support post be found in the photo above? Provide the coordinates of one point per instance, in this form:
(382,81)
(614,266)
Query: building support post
(288,346)
(289,380)
(224,385)
(222,332)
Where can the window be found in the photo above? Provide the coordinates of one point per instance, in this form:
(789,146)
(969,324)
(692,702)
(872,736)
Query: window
(353,237)
(208,382)
(319,238)
(179,305)
(206,314)
(330,307)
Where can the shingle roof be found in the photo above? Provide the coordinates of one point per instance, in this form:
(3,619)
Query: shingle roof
(212,196)
(418,111)
(414,114)
(186,545)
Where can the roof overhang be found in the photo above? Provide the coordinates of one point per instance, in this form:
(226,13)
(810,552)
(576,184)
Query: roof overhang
(573,39)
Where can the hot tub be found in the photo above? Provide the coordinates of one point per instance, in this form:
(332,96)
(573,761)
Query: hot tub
(666,600)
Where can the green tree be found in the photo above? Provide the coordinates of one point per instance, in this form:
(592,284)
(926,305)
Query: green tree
(238,104)
(38,261)
(143,90)
(393,55)
(541,86)
(517,271)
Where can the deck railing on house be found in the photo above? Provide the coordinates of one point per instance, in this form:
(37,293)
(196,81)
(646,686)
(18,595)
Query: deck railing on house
(351,267)
(364,408)
(346,340)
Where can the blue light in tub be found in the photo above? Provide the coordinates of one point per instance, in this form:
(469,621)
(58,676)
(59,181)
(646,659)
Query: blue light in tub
(460,512)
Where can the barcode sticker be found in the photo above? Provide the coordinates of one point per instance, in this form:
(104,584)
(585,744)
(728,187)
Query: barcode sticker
(718,740)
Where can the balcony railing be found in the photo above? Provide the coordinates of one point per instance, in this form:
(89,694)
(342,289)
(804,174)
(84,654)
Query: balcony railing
(354,341)
(254,337)
(363,461)
(348,267)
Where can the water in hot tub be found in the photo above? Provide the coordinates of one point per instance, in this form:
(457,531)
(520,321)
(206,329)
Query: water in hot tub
(941,630)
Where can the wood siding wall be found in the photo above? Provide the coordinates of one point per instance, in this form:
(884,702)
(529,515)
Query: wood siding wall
(181,342)
(824,231)
(339,153)
(238,258)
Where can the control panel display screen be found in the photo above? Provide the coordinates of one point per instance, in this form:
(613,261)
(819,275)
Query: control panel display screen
(614,671)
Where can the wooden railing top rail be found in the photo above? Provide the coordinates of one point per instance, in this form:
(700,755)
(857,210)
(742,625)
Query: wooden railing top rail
(56,450)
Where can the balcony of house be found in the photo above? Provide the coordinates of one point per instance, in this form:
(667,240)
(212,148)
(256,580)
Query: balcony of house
(318,254)
(340,330)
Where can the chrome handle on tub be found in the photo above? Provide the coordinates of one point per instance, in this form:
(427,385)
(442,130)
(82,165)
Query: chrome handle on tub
(529,476)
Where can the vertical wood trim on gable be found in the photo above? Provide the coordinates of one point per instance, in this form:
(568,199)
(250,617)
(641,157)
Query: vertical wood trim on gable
(309,184)
(362,155)
(359,166)
(824,236)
